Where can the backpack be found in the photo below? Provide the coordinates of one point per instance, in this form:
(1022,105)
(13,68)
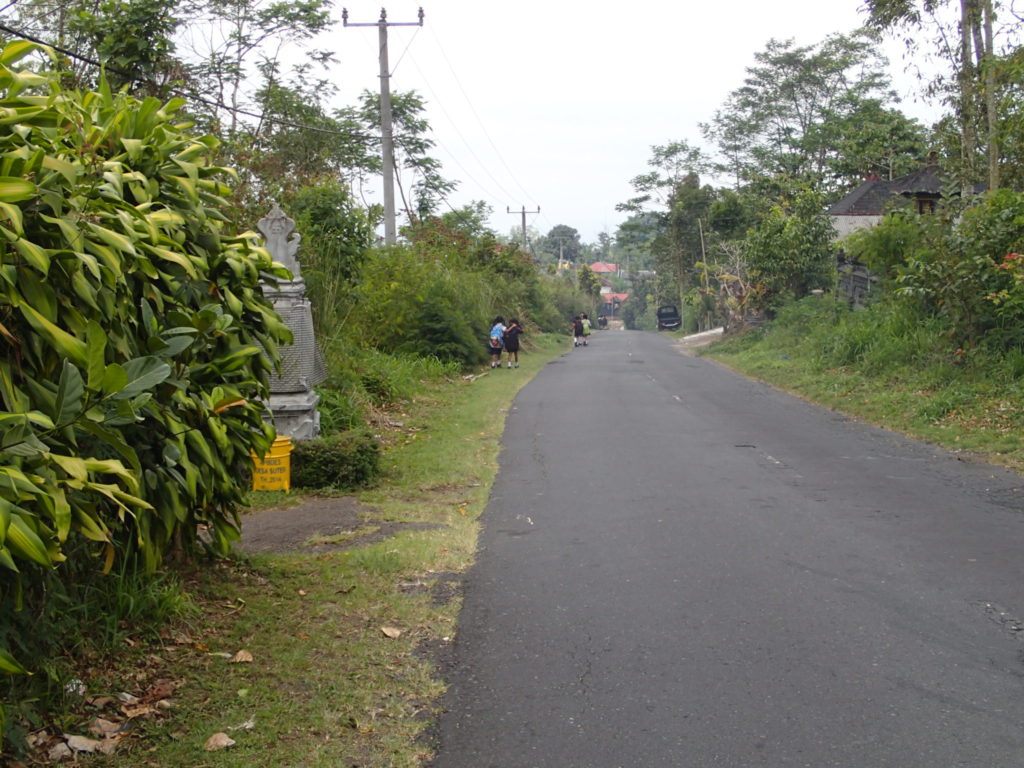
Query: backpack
(496,334)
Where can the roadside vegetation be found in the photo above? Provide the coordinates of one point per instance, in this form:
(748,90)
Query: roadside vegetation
(891,368)
(938,352)
(136,345)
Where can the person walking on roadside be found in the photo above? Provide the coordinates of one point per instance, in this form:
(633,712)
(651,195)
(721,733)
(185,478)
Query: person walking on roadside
(586,327)
(495,341)
(512,333)
(577,330)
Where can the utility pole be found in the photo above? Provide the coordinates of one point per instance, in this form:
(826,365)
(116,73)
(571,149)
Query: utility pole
(387,144)
(523,212)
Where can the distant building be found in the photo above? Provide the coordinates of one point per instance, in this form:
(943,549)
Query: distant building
(611,303)
(865,206)
(604,268)
(868,203)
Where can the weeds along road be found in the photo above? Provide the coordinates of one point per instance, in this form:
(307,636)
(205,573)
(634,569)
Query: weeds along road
(680,567)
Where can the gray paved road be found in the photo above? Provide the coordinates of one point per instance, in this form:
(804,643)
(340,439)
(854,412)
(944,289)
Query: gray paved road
(680,567)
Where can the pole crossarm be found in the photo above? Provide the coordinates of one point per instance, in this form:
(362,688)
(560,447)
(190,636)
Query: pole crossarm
(383,19)
(523,213)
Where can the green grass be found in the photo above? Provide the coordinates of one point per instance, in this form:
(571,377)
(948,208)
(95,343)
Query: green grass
(893,370)
(327,686)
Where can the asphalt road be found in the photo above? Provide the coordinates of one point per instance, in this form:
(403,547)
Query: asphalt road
(681,567)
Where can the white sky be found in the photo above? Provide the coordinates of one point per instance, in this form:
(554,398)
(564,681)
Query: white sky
(556,104)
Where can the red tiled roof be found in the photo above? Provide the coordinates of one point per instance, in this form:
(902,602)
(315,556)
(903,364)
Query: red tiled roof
(604,266)
(610,297)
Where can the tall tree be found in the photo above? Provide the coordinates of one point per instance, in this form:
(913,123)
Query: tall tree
(797,105)
(428,187)
(228,38)
(964,35)
(562,242)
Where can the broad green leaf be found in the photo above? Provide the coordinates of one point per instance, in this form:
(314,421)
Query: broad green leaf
(63,342)
(180,259)
(24,542)
(7,561)
(70,395)
(166,217)
(96,344)
(72,465)
(20,440)
(14,189)
(90,527)
(9,665)
(12,397)
(35,255)
(114,239)
(143,373)
(61,514)
(112,467)
(70,171)
(13,214)
(115,377)
(134,148)
(16,50)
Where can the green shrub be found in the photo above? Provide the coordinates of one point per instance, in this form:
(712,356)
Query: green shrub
(135,341)
(347,460)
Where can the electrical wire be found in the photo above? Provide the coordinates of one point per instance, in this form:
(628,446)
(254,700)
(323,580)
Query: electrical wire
(462,136)
(177,92)
(405,51)
(458,82)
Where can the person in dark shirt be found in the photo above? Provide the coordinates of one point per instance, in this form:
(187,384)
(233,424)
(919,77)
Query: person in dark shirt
(512,333)
(577,330)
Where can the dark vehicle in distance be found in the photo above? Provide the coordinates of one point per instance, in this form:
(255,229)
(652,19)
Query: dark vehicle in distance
(669,318)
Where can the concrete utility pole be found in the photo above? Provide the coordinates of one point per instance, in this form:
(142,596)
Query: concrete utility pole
(523,212)
(387,144)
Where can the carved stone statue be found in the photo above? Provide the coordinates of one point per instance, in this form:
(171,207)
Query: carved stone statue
(276,226)
(292,399)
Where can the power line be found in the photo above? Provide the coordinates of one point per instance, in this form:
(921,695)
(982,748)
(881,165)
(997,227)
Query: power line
(454,124)
(184,94)
(477,116)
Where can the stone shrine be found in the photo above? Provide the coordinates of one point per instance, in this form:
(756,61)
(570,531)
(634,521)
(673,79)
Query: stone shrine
(293,402)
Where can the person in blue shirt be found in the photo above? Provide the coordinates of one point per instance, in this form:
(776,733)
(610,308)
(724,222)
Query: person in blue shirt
(496,341)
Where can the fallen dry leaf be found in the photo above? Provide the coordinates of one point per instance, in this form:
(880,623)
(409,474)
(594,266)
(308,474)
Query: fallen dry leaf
(81,743)
(391,632)
(248,725)
(58,752)
(303,592)
(242,657)
(103,727)
(162,689)
(140,710)
(218,741)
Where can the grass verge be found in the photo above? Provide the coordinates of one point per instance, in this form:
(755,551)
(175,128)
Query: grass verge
(892,372)
(332,658)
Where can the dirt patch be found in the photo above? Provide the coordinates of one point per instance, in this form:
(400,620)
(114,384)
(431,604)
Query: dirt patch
(317,524)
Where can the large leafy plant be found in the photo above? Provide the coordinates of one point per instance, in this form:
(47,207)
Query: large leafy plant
(135,341)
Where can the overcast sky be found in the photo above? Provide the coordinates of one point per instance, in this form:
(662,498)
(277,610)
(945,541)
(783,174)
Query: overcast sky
(556,104)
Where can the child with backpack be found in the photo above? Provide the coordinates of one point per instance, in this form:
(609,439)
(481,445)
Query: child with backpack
(496,341)
(577,330)
(512,333)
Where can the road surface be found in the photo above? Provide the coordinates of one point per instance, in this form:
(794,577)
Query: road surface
(680,567)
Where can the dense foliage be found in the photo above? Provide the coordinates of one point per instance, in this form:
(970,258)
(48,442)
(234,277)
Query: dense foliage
(133,335)
(345,460)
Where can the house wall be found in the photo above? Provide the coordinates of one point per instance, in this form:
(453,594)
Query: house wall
(846,225)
